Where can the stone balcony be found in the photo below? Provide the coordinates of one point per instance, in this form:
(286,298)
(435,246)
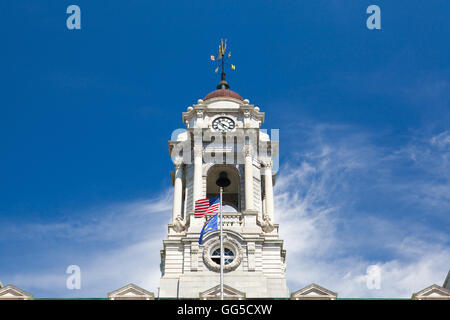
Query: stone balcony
(229,218)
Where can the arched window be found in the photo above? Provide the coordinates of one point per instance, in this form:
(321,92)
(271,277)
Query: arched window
(228,256)
(231,194)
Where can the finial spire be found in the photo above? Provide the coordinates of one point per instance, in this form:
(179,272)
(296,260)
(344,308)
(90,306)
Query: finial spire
(223,56)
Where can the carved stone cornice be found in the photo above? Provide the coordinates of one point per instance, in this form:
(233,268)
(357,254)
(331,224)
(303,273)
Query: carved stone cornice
(249,110)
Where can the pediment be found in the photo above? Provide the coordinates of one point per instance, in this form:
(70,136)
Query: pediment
(13,293)
(433,292)
(229,293)
(313,292)
(131,292)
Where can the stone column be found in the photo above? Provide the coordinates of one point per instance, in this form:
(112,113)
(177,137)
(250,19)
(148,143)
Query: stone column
(248,178)
(269,189)
(263,207)
(197,174)
(177,191)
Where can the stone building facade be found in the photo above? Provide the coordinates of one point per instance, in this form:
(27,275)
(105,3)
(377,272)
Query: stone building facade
(223,135)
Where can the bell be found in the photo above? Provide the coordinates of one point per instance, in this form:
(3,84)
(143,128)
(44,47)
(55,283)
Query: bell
(223,180)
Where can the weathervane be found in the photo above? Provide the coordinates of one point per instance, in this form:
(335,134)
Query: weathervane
(223,57)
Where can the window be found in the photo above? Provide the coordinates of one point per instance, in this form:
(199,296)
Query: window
(228,256)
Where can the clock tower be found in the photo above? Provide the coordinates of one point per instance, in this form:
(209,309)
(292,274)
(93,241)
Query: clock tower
(223,139)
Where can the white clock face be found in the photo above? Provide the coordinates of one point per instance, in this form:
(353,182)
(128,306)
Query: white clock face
(223,124)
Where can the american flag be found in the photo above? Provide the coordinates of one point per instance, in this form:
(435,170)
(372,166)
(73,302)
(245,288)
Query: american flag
(205,206)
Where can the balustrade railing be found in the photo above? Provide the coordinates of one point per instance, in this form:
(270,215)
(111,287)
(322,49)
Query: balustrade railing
(229,218)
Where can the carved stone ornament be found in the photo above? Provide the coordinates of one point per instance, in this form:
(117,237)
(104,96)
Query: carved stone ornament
(179,224)
(199,113)
(267,224)
(177,163)
(267,163)
(229,243)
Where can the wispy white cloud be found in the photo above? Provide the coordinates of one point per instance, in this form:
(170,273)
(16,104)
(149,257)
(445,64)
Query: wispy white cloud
(113,245)
(331,239)
(334,207)
(442,140)
(102,271)
(115,221)
(428,158)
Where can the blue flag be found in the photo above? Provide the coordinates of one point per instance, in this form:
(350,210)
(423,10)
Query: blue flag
(210,225)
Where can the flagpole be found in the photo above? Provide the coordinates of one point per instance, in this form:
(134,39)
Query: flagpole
(221,247)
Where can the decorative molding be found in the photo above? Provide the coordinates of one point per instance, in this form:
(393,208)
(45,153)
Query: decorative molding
(199,113)
(11,292)
(314,292)
(229,243)
(433,292)
(253,112)
(247,110)
(266,163)
(229,293)
(131,292)
(177,163)
(266,225)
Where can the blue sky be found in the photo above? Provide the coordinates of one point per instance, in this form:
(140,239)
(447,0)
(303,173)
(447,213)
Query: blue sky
(364,135)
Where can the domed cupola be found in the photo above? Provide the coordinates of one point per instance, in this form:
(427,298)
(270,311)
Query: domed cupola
(223,93)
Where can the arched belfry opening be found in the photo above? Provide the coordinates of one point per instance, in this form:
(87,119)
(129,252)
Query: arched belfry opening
(231,193)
